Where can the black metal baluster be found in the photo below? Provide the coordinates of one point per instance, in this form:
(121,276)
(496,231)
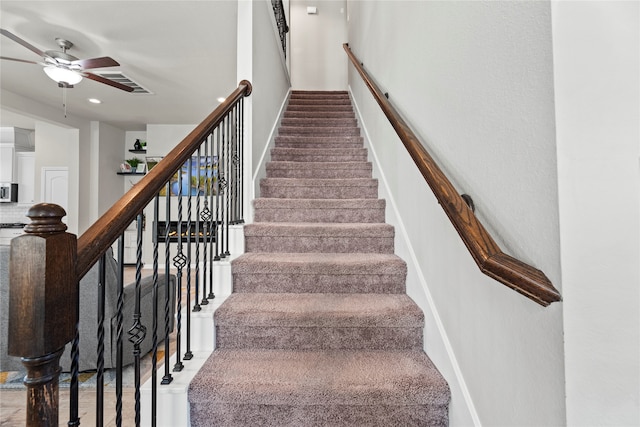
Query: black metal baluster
(212,220)
(154,325)
(196,306)
(236,166)
(223,187)
(74,419)
(179,262)
(188,355)
(100,350)
(167,378)
(241,137)
(119,331)
(216,189)
(205,215)
(138,331)
(228,192)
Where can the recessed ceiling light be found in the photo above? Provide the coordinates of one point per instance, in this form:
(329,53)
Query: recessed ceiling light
(95,101)
(221,99)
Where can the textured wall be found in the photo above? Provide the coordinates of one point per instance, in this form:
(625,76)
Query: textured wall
(475,80)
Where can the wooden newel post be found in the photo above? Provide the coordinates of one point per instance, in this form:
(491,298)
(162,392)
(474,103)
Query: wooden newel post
(43,300)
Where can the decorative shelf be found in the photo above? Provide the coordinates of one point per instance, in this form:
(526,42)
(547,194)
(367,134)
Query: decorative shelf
(138,151)
(131,173)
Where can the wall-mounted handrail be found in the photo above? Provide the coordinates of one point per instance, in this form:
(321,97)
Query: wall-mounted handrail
(506,269)
(95,241)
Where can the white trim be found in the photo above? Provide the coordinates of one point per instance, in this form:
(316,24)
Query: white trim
(414,264)
(272,135)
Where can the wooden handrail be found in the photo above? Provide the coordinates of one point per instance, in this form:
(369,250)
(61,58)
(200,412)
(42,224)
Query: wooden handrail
(517,275)
(97,239)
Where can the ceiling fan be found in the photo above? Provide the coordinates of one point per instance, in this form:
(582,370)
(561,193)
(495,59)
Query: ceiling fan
(65,69)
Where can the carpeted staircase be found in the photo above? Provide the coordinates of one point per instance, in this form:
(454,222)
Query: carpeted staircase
(319,330)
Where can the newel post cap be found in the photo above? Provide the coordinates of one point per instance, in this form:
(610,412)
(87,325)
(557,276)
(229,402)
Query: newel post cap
(43,289)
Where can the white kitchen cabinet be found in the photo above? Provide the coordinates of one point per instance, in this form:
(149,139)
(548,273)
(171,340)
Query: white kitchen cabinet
(6,162)
(25,166)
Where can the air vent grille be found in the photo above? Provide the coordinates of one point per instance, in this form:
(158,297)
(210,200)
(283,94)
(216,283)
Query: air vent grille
(121,78)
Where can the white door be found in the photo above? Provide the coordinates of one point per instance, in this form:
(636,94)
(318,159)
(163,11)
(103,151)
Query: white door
(55,187)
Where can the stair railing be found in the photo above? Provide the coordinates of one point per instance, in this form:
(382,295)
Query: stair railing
(204,171)
(491,260)
(281,22)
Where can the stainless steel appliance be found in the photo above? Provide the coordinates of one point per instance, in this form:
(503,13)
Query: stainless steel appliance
(8,192)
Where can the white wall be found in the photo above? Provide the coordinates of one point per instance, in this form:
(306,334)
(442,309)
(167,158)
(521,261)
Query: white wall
(270,82)
(59,147)
(475,80)
(596,48)
(317,59)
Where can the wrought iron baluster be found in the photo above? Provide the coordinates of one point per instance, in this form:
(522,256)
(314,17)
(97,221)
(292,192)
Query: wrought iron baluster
(196,305)
(154,324)
(188,355)
(167,378)
(74,419)
(100,349)
(119,330)
(241,137)
(138,331)
(223,186)
(179,262)
(212,220)
(205,215)
(227,202)
(218,178)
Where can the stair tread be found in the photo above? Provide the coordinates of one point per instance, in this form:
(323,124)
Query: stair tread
(319,263)
(275,203)
(326,377)
(318,229)
(320,310)
(320,182)
(318,165)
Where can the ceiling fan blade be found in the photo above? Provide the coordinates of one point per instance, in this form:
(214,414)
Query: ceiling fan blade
(19,60)
(104,61)
(101,79)
(24,43)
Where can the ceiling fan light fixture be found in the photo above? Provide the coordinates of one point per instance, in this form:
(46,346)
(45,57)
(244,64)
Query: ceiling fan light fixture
(62,75)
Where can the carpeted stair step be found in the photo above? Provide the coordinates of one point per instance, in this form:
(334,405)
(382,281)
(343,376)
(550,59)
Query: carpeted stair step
(318,210)
(308,188)
(281,169)
(318,131)
(319,388)
(320,107)
(319,330)
(333,101)
(319,122)
(279,154)
(319,321)
(319,272)
(319,94)
(331,142)
(320,114)
(318,237)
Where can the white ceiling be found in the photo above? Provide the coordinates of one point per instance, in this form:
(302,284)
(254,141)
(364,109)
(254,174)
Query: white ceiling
(184,52)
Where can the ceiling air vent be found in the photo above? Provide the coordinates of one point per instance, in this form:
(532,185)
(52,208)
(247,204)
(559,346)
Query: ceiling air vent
(121,78)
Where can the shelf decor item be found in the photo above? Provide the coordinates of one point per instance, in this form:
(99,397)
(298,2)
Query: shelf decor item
(125,168)
(137,145)
(152,161)
(134,162)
